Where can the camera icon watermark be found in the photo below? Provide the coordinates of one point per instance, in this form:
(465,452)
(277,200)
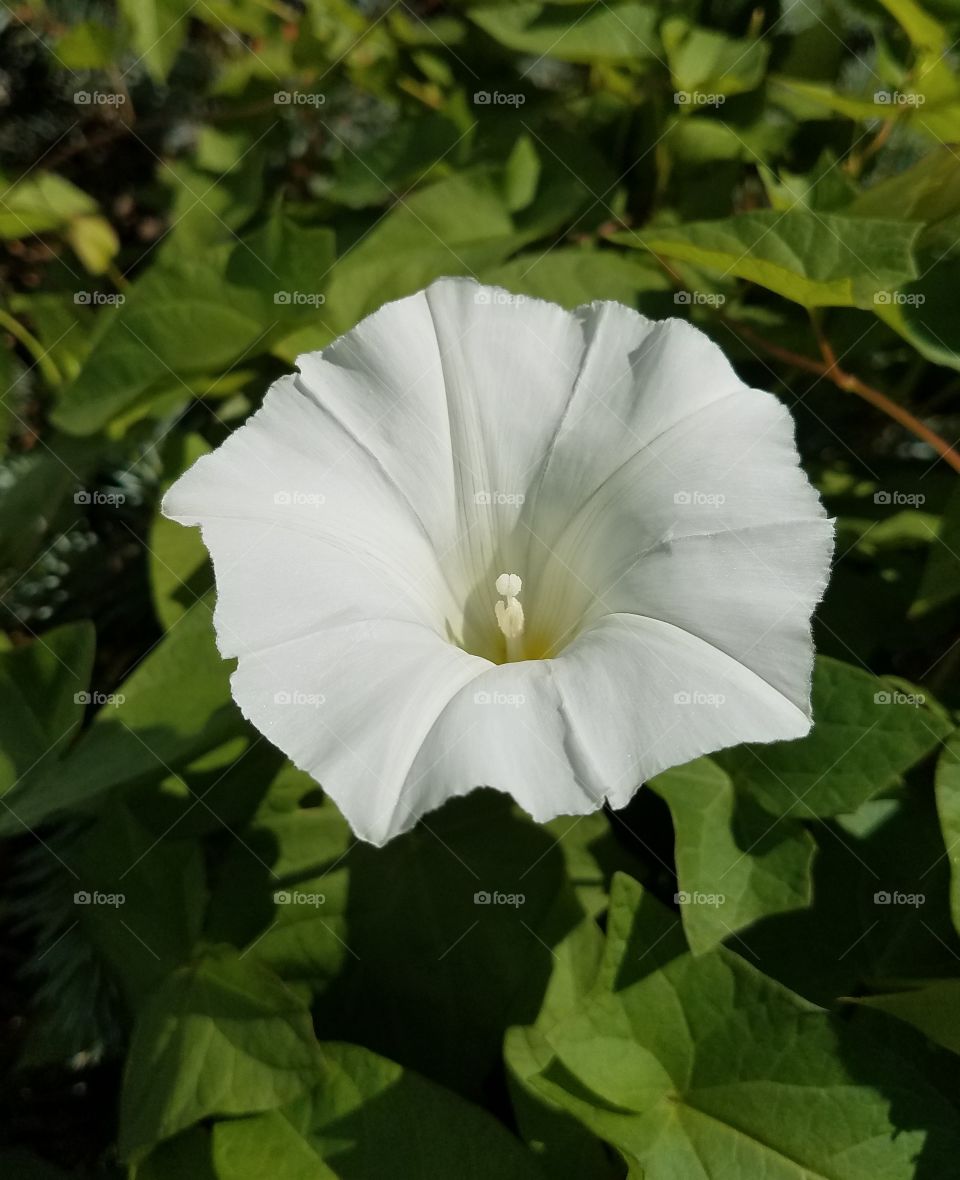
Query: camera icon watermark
(99,699)
(499,499)
(299,298)
(894,696)
(98,98)
(698,98)
(298,897)
(511,699)
(899,499)
(699,499)
(898,98)
(495,897)
(696,897)
(498,298)
(498,98)
(98,299)
(312,700)
(290,499)
(96,897)
(699,299)
(692,697)
(99,498)
(299,98)
(896,897)
(899,298)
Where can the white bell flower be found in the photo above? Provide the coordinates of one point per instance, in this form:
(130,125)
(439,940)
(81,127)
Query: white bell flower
(483,541)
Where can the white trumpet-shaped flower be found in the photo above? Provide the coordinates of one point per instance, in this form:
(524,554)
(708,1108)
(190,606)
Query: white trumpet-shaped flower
(483,541)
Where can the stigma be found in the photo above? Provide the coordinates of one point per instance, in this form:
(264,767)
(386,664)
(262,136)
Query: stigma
(510,614)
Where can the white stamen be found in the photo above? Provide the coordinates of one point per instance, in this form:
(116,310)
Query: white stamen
(510,613)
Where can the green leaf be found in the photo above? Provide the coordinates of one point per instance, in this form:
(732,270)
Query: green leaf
(194,317)
(173,707)
(180,569)
(940,582)
(947,783)
(703,1067)
(159,890)
(867,733)
(366,1111)
(434,973)
(922,311)
(703,61)
(175,322)
(934,1009)
(157,29)
(733,864)
(222,1036)
(571,276)
(43,694)
(44,202)
(40,202)
(450,227)
(816,259)
(87,46)
(619,32)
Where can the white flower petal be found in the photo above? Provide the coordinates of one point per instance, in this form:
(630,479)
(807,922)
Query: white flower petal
(505,729)
(637,378)
(293,468)
(641,695)
(352,705)
(731,468)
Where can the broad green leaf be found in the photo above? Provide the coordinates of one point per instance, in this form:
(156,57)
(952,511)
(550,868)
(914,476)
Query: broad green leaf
(87,46)
(703,61)
(389,165)
(158,894)
(933,1008)
(450,227)
(157,29)
(572,277)
(879,916)
(283,889)
(948,808)
(566,1149)
(222,1036)
(867,732)
(734,864)
(928,192)
(940,583)
(196,316)
(180,570)
(175,322)
(41,202)
(815,101)
(818,260)
(45,202)
(94,241)
(43,693)
(922,311)
(600,32)
(462,943)
(173,707)
(703,1067)
(368,1113)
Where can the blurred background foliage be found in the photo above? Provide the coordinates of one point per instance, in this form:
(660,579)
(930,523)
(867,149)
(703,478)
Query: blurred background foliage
(196,191)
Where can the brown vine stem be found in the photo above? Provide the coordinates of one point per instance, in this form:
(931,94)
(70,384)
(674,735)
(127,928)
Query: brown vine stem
(831,370)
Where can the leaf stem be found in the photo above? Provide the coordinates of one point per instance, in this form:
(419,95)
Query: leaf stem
(831,370)
(49,370)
